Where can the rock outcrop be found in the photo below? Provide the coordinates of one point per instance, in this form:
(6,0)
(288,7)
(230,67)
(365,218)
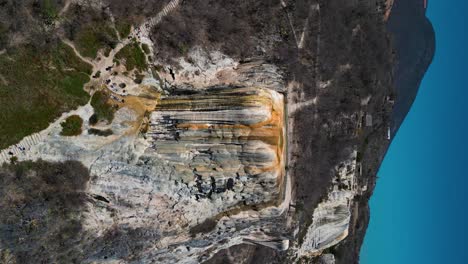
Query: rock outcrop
(332,217)
(223,140)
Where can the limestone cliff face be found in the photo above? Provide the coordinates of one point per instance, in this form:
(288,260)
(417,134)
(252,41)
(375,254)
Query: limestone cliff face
(223,139)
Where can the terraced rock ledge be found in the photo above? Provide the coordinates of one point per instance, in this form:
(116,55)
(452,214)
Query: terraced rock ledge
(224,140)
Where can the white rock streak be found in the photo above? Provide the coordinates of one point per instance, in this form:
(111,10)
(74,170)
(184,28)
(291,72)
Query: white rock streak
(331,217)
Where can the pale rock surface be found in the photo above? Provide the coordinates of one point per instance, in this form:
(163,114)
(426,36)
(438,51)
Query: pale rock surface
(331,218)
(327,259)
(205,69)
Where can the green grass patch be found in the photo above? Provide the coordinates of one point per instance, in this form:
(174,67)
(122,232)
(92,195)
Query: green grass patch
(73,84)
(93,37)
(103,110)
(37,87)
(123,28)
(132,56)
(72,126)
(49,11)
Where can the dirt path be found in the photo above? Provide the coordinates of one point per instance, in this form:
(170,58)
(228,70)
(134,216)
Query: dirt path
(65,7)
(294,107)
(77,53)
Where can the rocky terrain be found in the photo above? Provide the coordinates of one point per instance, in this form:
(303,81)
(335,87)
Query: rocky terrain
(194,131)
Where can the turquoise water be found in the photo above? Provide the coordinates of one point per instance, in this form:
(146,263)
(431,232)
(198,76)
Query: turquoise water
(420,205)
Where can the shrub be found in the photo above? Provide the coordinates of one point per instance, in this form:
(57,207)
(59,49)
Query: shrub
(102,108)
(145,48)
(93,120)
(72,126)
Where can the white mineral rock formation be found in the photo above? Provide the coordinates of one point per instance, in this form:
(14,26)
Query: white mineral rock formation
(331,217)
(224,144)
(205,69)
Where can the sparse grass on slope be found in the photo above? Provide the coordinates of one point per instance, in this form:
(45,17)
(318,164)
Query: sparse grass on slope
(48,10)
(133,57)
(93,37)
(37,87)
(123,28)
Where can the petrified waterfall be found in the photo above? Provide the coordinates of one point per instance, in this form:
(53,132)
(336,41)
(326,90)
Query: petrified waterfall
(223,139)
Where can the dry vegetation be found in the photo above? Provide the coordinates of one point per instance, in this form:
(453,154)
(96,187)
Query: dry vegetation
(40,211)
(90,30)
(233,27)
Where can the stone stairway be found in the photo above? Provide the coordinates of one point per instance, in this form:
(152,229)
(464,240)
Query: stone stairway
(146,27)
(20,149)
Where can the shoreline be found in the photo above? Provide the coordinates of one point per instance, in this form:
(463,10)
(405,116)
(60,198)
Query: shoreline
(409,71)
